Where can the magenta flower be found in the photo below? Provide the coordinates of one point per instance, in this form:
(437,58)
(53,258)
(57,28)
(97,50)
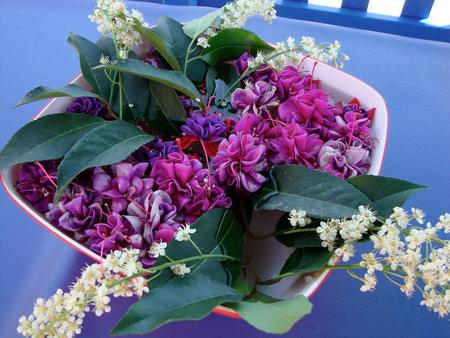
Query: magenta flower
(76,211)
(87,105)
(35,184)
(292,144)
(207,195)
(209,128)
(177,175)
(125,183)
(251,124)
(310,109)
(254,98)
(353,127)
(239,162)
(110,235)
(290,83)
(342,160)
(153,219)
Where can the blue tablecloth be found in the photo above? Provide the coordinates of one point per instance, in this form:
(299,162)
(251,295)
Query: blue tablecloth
(413,75)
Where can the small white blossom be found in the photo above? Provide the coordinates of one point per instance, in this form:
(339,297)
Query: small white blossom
(418,215)
(371,263)
(158,249)
(180,269)
(444,222)
(184,233)
(104,60)
(290,43)
(370,282)
(298,218)
(366,215)
(347,251)
(400,216)
(327,232)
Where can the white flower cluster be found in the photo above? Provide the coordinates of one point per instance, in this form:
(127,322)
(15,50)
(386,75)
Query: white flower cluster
(298,218)
(349,230)
(235,15)
(184,233)
(112,16)
(62,314)
(412,258)
(291,52)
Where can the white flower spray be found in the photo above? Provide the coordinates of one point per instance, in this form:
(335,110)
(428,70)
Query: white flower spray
(112,17)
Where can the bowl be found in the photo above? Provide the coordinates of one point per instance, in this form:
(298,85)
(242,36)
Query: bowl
(342,86)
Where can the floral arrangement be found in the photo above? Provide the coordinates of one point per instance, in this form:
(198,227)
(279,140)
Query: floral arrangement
(182,134)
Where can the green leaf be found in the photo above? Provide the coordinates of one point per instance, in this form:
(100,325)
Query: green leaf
(178,43)
(321,195)
(170,78)
(307,260)
(159,44)
(90,55)
(385,193)
(231,43)
(218,232)
(104,145)
(221,89)
(42,93)
(136,93)
(47,138)
(272,315)
(196,27)
(211,76)
(166,113)
(189,298)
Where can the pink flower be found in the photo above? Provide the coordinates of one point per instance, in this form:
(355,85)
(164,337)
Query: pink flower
(125,183)
(343,160)
(239,162)
(293,145)
(177,175)
(290,83)
(311,109)
(254,98)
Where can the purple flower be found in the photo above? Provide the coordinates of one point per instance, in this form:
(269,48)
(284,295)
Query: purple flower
(125,183)
(290,83)
(110,235)
(153,58)
(153,219)
(209,128)
(310,109)
(293,145)
(87,105)
(254,98)
(207,195)
(343,160)
(36,184)
(189,105)
(154,150)
(262,73)
(239,162)
(177,175)
(76,211)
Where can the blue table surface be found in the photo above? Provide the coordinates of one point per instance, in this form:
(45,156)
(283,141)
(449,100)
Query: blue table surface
(413,75)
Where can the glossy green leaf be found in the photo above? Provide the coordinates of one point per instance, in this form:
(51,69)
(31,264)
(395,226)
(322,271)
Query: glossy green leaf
(90,55)
(231,43)
(307,260)
(385,193)
(166,113)
(196,27)
(272,315)
(321,195)
(104,145)
(218,232)
(189,298)
(169,78)
(178,43)
(42,93)
(47,138)
(160,45)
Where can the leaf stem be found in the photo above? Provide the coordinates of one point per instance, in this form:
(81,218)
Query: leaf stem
(120,98)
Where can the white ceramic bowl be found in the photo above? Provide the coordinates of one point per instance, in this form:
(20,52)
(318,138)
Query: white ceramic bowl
(268,255)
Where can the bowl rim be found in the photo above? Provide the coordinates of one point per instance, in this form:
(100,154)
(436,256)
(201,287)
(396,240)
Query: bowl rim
(220,310)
